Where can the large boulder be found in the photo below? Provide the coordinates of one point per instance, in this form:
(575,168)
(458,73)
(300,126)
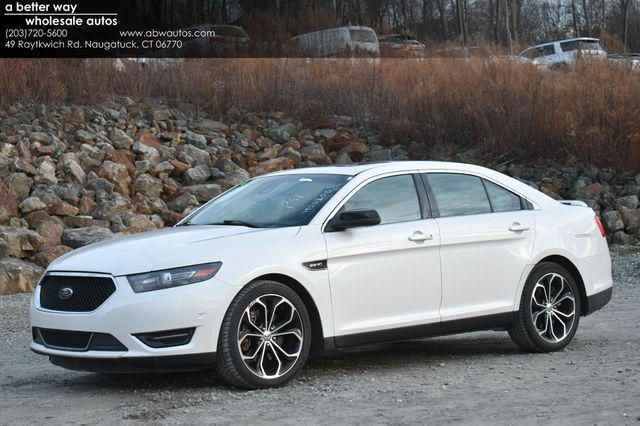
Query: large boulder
(197,175)
(630,202)
(203,193)
(18,276)
(120,139)
(113,204)
(194,156)
(80,237)
(207,125)
(117,174)
(183,202)
(196,139)
(148,185)
(31,204)
(276,164)
(21,242)
(8,203)
(612,221)
(44,257)
(70,167)
(20,184)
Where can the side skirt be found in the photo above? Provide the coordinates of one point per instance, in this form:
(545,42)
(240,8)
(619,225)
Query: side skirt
(488,322)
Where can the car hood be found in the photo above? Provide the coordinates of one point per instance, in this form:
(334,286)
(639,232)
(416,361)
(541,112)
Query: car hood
(164,249)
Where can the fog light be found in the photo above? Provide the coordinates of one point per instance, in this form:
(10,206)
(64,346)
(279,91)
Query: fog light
(166,338)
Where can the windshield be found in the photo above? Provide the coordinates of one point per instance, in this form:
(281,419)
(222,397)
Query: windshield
(363,36)
(271,201)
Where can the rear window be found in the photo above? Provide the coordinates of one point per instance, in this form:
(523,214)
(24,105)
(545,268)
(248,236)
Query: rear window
(363,36)
(458,195)
(502,200)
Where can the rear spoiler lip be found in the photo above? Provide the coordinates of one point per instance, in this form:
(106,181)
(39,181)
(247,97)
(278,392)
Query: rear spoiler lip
(576,203)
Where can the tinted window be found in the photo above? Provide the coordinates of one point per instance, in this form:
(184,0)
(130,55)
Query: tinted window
(394,198)
(272,201)
(590,45)
(501,199)
(459,195)
(569,46)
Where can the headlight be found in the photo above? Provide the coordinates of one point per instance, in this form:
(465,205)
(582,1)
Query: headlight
(173,277)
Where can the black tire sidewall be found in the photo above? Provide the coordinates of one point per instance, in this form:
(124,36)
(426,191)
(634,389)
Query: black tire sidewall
(537,273)
(256,290)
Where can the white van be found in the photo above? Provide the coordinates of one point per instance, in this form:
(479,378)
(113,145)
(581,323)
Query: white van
(349,40)
(561,53)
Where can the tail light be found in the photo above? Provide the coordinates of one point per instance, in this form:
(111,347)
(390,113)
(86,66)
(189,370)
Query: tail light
(600,226)
(215,39)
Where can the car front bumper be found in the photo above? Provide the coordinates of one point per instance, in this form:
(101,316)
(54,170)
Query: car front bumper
(124,314)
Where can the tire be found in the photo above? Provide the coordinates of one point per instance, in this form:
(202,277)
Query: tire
(553,327)
(251,358)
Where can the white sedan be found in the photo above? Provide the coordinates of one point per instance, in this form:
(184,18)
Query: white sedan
(305,262)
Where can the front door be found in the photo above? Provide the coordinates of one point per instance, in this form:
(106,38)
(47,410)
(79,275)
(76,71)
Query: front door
(385,276)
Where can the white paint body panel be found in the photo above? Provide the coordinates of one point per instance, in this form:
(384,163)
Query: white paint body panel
(376,278)
(481,260)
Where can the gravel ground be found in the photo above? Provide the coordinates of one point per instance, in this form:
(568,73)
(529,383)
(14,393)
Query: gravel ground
(476,378)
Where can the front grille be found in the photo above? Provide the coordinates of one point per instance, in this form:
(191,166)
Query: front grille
(74,293)
(63,339)
(76,340)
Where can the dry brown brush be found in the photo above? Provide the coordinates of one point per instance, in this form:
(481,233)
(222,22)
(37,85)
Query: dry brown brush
(591,113)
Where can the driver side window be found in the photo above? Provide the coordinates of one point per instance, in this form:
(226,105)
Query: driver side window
(394,198)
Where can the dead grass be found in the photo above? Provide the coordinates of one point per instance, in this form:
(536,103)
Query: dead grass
(592,113)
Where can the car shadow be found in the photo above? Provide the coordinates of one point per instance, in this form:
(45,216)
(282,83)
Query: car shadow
(431,351)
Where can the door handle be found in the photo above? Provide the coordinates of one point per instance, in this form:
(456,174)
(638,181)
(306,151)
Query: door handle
(419,237)
(517,227)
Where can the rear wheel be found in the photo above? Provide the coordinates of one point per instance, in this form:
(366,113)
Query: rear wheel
(549,310)
(265,337)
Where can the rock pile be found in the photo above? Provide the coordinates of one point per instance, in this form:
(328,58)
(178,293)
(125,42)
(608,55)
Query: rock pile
(73,175)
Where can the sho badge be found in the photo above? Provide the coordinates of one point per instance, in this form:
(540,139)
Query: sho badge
(65,293)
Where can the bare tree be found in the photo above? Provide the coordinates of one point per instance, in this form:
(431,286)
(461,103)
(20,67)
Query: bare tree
(587,21)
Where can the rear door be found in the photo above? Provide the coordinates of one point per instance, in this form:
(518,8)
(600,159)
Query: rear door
(486,242)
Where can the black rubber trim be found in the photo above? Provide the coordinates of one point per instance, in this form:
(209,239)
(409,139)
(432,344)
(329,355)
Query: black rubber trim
(597,301)
(423,200)
(167,338)
(94,341)
(487,322)
(431,196)
(128,365)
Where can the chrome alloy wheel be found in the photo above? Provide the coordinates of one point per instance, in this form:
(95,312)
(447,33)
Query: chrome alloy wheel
(553,307)
(270,336)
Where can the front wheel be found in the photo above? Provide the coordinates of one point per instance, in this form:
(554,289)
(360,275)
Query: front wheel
(265,336)
(549,310)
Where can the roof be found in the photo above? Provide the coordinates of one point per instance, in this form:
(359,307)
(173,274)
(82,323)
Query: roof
(563,40)
(384,167)
(327,30)
(374,169)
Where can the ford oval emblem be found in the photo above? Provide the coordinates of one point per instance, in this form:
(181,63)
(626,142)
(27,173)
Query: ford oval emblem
(65,292)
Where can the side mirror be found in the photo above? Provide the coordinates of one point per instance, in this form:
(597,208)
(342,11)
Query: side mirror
(353,219)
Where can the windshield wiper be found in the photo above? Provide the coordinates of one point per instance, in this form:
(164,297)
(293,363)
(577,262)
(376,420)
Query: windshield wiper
(224,222)
(236,223)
